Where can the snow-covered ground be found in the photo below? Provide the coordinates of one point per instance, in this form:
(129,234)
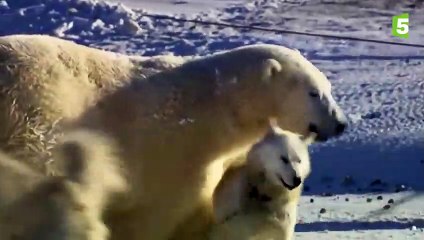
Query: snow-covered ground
(177,6)
(380,87)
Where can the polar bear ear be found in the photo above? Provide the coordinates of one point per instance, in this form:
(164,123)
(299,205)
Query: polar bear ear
(271,68)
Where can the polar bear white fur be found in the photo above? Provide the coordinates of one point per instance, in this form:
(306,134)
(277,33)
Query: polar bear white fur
(68,207)
(182,128)
(258,200)
(45,81)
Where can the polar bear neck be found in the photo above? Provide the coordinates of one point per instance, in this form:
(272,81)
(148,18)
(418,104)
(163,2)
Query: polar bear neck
(185,100)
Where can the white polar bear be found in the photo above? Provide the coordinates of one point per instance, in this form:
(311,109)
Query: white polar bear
(45,81)
(258,200)
(181,129)
(68,207)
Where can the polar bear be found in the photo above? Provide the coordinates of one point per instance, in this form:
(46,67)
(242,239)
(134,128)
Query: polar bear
(258,200)
(46,80)
(179,131)
(68,207)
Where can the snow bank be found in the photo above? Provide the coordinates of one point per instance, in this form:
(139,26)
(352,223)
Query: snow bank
(66,18)
(118,28)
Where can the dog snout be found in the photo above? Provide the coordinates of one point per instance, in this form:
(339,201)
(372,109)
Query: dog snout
(296,181)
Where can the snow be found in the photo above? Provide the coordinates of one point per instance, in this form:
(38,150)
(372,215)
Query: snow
(177,6)
(380,87)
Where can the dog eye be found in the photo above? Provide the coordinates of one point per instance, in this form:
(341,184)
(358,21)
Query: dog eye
(284,159)
(314,94)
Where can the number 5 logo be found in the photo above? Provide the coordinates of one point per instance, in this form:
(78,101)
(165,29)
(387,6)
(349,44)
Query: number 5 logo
(400,25)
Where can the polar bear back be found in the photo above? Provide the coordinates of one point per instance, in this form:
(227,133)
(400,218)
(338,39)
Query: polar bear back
(47,81)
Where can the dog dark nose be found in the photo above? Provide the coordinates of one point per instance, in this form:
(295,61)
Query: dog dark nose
(296,181)
(340,128)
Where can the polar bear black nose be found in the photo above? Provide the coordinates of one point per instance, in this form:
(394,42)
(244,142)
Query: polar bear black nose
(296,181)
(313,128)
(340,128)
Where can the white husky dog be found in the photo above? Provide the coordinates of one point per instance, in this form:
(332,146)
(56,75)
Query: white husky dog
(68,207)
(258,200)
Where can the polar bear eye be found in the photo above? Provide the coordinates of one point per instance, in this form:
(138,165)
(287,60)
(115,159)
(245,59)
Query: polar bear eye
(284,159)
(314,94)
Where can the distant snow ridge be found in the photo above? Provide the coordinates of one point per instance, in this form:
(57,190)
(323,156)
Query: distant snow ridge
(115,27)
(82,18)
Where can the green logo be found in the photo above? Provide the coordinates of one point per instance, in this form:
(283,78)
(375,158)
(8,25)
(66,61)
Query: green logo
(400,25)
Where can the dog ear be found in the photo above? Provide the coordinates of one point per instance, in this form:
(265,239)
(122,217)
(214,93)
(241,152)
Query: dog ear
(74,160)
(273,129)
(271,68)
(272,126)
(272,123)
(309,139)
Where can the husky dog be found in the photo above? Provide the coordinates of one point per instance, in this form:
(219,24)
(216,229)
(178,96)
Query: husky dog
(68,207)
(258,200)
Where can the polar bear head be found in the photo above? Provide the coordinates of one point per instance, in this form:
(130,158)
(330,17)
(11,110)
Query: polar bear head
(282,157)
(307,96)
(292,90)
